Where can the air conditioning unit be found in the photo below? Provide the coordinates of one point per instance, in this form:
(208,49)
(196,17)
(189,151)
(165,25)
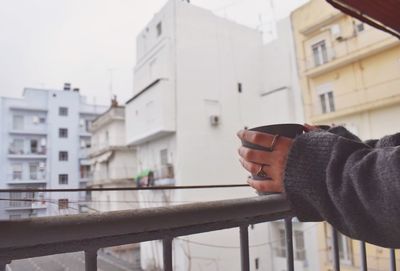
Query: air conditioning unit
(42,165)
(214,120)
(336,32)
(43,142)
(35,120)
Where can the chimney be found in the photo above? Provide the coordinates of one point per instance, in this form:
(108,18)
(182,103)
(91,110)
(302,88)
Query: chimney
(67,86)
(114,102)
(75,90)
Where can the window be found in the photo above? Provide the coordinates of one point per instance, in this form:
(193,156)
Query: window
(42,120)
(320,53)
(63,132)
(34,144)
(62,204)
(159,29)
(63,156)
(300,252)
(17,146)
(63,111)
(281,244)
(87,124)
(85,171)
(239,85)
(63,179)
(16,172)
(85,143)
(327,102)
(18,122)
(164,156)
(33,171)
(15,199)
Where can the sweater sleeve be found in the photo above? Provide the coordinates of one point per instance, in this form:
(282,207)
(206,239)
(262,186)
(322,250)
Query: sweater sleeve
(347,183)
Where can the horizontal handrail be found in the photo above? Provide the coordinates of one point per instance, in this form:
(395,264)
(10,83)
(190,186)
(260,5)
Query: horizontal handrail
(50,235)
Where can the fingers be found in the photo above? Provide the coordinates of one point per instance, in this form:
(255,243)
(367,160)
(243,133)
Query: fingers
(262,139)
(266,186)
(256,156)
(252,167)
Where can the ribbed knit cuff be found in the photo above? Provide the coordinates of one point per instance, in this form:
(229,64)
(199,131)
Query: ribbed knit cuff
(305,174)
(389,141)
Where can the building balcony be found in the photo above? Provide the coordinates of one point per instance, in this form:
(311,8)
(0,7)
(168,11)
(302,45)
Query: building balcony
(18,178)
(150,114)
(89,232)
(345,52)
(25,201)
(42,130)
(27,154)
(114,113)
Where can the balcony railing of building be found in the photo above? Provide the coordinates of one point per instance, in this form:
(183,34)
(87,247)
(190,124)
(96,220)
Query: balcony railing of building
(22,176)
(343,51)
(20,151)
(88,233)
(114,113)
(24,200)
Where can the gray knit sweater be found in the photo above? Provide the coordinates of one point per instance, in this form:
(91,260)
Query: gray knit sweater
(350,184)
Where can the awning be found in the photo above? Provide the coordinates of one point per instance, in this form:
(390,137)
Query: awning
(382,14)
(101,158)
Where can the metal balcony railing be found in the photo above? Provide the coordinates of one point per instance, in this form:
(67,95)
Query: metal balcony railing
(90,232)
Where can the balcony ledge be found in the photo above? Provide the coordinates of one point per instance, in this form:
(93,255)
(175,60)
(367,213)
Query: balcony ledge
(28,132)
(26,208)
(27,156)
(351,57)
(26,182)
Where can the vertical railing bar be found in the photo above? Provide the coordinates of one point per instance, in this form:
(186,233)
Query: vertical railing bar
(167,254)
(364,266)
(289,244)
(244,247)
(91,260)
(336,259)
(392,259)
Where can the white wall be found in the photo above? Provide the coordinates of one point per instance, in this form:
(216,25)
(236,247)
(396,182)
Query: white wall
(281,94)
(116,135)
(209,56)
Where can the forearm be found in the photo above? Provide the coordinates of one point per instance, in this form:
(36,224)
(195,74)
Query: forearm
(347,183)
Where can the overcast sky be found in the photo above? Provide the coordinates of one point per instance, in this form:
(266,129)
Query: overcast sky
(44,43)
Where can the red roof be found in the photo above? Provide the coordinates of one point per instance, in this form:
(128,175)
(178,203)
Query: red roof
(382,14)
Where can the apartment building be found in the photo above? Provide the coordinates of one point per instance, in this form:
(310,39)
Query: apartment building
(349,71)
(112,162)
(198,79)
(350,75)
(44,136)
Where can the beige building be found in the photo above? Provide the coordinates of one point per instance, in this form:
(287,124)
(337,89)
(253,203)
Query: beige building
(349,75)
(113,165)
(349,71)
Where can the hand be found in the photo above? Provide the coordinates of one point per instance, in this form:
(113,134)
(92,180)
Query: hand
(310,128)
(274,162)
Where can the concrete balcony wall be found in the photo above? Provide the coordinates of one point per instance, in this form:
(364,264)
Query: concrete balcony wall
(151,114)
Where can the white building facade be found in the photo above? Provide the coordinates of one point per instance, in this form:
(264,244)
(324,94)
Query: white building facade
(198,80)
(44,136)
